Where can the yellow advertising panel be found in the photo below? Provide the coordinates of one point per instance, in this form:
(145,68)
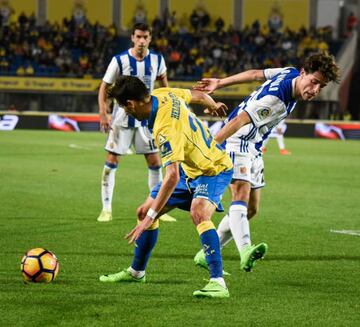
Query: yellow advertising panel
(74,85)
(15,7)
(49,84)
(94,10)
(215,9)
(142,9)
(291,13)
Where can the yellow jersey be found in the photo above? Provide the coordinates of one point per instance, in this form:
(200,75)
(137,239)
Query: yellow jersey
(182,137)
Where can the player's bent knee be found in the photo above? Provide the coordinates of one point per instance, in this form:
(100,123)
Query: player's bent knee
(112,158)
(197,216)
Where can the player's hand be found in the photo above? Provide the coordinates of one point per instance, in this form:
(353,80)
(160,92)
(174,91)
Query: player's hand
(220,110)
(207,85)
(104,123)
(138,230)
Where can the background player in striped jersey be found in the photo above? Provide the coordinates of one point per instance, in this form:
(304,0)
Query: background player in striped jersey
(197,172)
(124,130)
(278,134)
(244,132)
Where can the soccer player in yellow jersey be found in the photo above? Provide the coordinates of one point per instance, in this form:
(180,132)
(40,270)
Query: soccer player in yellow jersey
(198,171)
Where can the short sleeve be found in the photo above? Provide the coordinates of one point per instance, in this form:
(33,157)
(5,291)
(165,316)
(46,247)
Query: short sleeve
(112,72)
(271,72)
(162,66)
(184,94)
(265,110)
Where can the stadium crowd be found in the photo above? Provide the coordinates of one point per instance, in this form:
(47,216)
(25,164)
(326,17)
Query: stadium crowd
(194,47)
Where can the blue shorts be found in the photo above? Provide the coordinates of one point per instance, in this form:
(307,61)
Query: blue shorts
(207,187)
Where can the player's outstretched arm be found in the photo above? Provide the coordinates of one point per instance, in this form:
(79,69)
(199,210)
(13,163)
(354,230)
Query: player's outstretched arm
(209,85)
(232,127)
(212,107)
(168,185)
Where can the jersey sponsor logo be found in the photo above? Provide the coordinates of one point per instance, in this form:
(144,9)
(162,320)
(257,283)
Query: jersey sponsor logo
(263,113)
(165,149)
(202,189)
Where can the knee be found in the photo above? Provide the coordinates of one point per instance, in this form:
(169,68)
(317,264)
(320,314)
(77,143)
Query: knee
(196,216)
(112,158)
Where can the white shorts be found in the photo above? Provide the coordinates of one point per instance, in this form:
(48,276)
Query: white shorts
(248,168)
(120,140)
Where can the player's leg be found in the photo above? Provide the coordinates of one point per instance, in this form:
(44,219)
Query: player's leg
(154,169)
(207,194)
(264,145)
(201,212)
(251,253)
(254,202)
(181,198)
(145,144)
(119,141)
(238,219)
(281,128)
(234,224)
(142,250)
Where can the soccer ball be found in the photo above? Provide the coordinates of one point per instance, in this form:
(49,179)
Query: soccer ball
(39,266)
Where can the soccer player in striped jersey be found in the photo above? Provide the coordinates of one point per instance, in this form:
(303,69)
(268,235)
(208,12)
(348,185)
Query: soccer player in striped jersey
(245,131)
(125,131)
(278,134)
(198,171)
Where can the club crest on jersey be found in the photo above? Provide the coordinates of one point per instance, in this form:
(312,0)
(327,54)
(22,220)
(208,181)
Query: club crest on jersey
(161,139)
(263,113)
(165,149)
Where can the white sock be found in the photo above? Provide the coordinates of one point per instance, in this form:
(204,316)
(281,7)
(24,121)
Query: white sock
(154,176)
(224,231)
(136,273)
(220,280)
(239,224)
(280,141)
(107,185)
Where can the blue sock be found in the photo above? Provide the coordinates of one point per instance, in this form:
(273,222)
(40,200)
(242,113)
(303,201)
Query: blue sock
(211,246)
(143,248)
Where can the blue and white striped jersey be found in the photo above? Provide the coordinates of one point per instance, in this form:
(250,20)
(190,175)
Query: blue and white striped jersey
(151,67)
(267,106)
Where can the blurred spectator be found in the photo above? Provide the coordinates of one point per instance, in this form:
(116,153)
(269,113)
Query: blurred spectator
(12,107)
(219,25)
(77,48)
(351,23)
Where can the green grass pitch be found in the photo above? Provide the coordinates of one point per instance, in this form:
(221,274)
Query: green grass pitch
(50,197)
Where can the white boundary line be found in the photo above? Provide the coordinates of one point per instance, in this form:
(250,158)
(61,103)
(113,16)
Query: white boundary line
(347,232)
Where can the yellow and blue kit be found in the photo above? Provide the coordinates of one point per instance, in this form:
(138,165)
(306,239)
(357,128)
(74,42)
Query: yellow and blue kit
(206,169)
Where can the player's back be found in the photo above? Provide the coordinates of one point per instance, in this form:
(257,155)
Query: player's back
(182,137)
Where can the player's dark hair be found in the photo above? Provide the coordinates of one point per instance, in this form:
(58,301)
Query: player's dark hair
(142,27)
(127,88)
(323,63)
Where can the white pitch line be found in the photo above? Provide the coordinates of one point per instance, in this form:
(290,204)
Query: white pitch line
(76,146)
(347,232)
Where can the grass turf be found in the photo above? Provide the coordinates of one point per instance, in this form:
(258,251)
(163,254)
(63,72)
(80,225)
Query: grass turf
(50,197)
